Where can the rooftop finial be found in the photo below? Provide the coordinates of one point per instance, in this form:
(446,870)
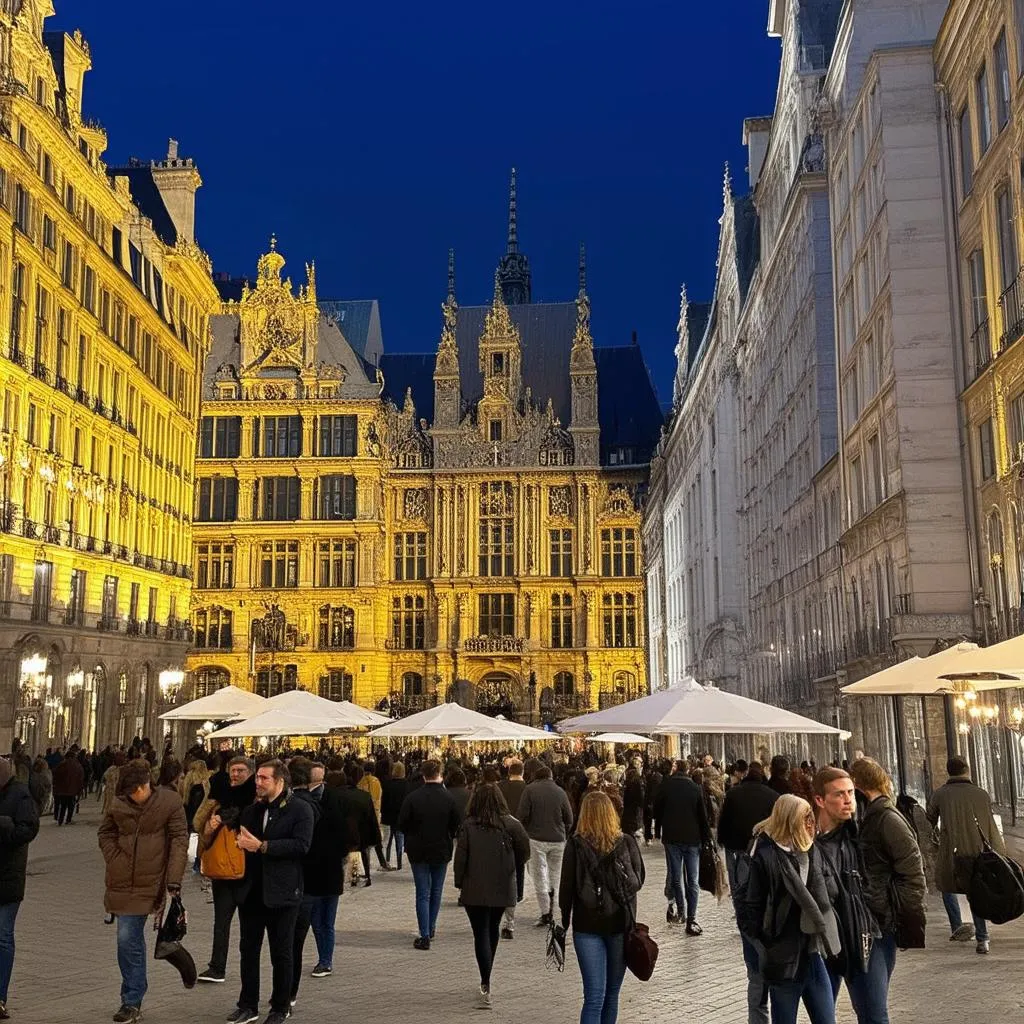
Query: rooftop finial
(513,238)
(583,269)
(727,183)
(273,242)
(451,273)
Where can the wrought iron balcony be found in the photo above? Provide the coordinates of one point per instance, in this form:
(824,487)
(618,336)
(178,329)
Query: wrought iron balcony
(1011,305)
(981,347)
(494,645)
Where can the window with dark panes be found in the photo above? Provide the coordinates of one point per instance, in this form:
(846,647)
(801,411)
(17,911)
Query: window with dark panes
(338,437)
(279,563)
(408,622)
(337,628)
(984,109)
(561,552)
(497,615)
(133,602)
(1006,229)
(213,628)
(561,620)
(987,450)
(336,685)
(966,152)
(214,566)
(336,497)
(618,552)
(108,609)
(270,682)
(218,500)
(411,556)
(75,612)
(497,529)
(278,497)
(282,437)
(42,591)
(336,563)
(1001,66)
(220,437)
(619,620)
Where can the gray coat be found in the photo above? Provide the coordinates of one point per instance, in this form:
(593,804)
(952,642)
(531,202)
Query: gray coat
(955,807)
(545,811)
(489,861)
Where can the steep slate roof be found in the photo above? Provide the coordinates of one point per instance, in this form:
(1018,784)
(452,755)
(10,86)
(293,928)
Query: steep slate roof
(748,242)
(146,196)
(697,316)
(359,320)
(628,410)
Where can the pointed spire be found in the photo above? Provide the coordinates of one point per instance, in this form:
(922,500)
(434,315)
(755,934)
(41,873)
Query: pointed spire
(513,238)
(727,184)
(684,304)
(451,275)
(583,269)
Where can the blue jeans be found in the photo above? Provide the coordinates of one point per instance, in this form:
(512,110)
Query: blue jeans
(813,987)
(399,840)
(757,987)
(8,912)
(679,859)
(869,990)
(602,960)
(429,882)
(322,913)
(131,957)
(951,902)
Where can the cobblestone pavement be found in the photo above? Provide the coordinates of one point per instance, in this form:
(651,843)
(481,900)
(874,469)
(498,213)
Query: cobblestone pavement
(66,969)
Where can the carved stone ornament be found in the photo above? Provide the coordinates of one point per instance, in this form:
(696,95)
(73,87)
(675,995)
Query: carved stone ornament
(619,502)
(414,503)
(560,501)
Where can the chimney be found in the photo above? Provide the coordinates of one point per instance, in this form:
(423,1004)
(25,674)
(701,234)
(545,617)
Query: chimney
(177,180)
(756,132)
(634,338)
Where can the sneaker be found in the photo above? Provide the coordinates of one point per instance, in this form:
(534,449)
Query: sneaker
(484,998)
(963,933)
(507,934)
(692,928)
(277,1016)
(217,977)
(421,943)
(544,920)
(433,935)
(127,1014)
(4,1015)
(243,1016)
(670,914)
(982,946)
(320,971)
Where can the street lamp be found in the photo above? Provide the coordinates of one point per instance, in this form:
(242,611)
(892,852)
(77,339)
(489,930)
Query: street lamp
(170,680)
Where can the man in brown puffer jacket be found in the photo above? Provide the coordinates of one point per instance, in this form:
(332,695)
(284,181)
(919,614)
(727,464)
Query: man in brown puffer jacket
(144,839)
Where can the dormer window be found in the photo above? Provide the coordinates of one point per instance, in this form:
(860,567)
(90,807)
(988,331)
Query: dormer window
(494,433)
(498,368)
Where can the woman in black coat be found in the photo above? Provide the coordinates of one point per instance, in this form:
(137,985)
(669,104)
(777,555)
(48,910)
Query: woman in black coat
(490,856)
(632,802)
(393,792)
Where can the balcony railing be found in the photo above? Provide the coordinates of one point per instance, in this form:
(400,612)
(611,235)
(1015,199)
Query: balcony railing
(1011,304)
(494,645)
(981,347)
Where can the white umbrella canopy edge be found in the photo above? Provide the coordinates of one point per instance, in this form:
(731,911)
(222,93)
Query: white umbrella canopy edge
(344,714)
(228,702)
(501,732)
(619,737)
(442,720)
(275,722)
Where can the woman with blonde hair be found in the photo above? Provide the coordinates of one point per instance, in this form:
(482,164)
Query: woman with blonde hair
(785,911)
(602,871)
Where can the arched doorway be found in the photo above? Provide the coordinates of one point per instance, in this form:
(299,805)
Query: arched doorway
(499,693)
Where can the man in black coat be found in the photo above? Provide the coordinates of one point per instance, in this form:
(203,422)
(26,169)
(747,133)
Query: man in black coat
(746,803)
(276,833)
(19,824)
(680,813)
(429,819)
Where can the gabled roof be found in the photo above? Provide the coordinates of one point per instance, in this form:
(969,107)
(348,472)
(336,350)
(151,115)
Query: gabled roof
(146,196)
(359,320)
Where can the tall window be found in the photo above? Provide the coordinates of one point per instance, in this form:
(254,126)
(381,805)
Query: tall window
(979,301)
(337,628)
(337,436)
(75,611)
(618,552)
(1003,88)
(411,556)
(220,437)
(270,682)
(966,152)
(277,497)
(133,603)
(1008,265)
(857,508)
(213,628)
(336,563)
(412,684)
(210,680)
(109,608)
(336,685)
(619,620)
(408,623)
(218,500)
(497,615)
(987,450)
(336,497)
(561,552)
(215,566)
(279,563)
(282,437)
(984,109)
(42,591)
(497,529)
(877,469)
(565,684)
(1017,428)
(561,620)
(18,309)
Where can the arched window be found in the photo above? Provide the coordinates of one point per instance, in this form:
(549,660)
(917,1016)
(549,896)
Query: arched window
(273,681)
(337,628)
(565,684)
(412,684)
(209,680)
(997,563)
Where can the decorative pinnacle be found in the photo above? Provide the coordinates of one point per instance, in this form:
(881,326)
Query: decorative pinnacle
(451,274)
(727,183)
(513,238)
(273,242)
(583,269)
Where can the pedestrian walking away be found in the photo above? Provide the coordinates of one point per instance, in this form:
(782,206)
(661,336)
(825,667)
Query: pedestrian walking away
(490,855)
(546,814)
(144,841)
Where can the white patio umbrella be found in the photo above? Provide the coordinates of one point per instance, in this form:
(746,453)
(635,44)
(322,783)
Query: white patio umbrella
(620,737)
(501,730)
(229,702)
(964,666)
(342,714)
(275,722)
(695,708)
(443,720)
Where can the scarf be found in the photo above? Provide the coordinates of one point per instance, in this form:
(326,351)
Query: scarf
(816,920)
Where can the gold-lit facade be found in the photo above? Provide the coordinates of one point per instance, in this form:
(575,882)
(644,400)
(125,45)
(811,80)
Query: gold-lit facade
(474,550)
(104,310)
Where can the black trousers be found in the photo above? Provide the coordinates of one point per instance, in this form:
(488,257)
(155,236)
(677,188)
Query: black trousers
(225,902)
(486,925)
(278,923)
(301,931)
(64,808)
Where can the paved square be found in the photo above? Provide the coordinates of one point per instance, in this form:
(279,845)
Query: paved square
(66,969)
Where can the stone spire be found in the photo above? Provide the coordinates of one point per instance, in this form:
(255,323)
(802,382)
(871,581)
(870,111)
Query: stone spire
(514,267)
(447,381)
(583,428)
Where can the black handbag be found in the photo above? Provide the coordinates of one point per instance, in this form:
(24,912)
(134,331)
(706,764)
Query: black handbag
(708,871)
(996,889)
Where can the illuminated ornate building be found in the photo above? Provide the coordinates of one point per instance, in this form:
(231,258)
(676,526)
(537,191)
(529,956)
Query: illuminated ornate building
(453,525)
(104,302)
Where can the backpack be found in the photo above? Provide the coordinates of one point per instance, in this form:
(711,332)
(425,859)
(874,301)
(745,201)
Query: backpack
(222,859)
(996,889)
(606,884)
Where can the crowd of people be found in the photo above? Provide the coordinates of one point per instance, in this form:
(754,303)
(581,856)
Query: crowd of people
(827,869)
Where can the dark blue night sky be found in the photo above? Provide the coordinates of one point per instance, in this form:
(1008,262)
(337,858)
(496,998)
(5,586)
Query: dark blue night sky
(371,137)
